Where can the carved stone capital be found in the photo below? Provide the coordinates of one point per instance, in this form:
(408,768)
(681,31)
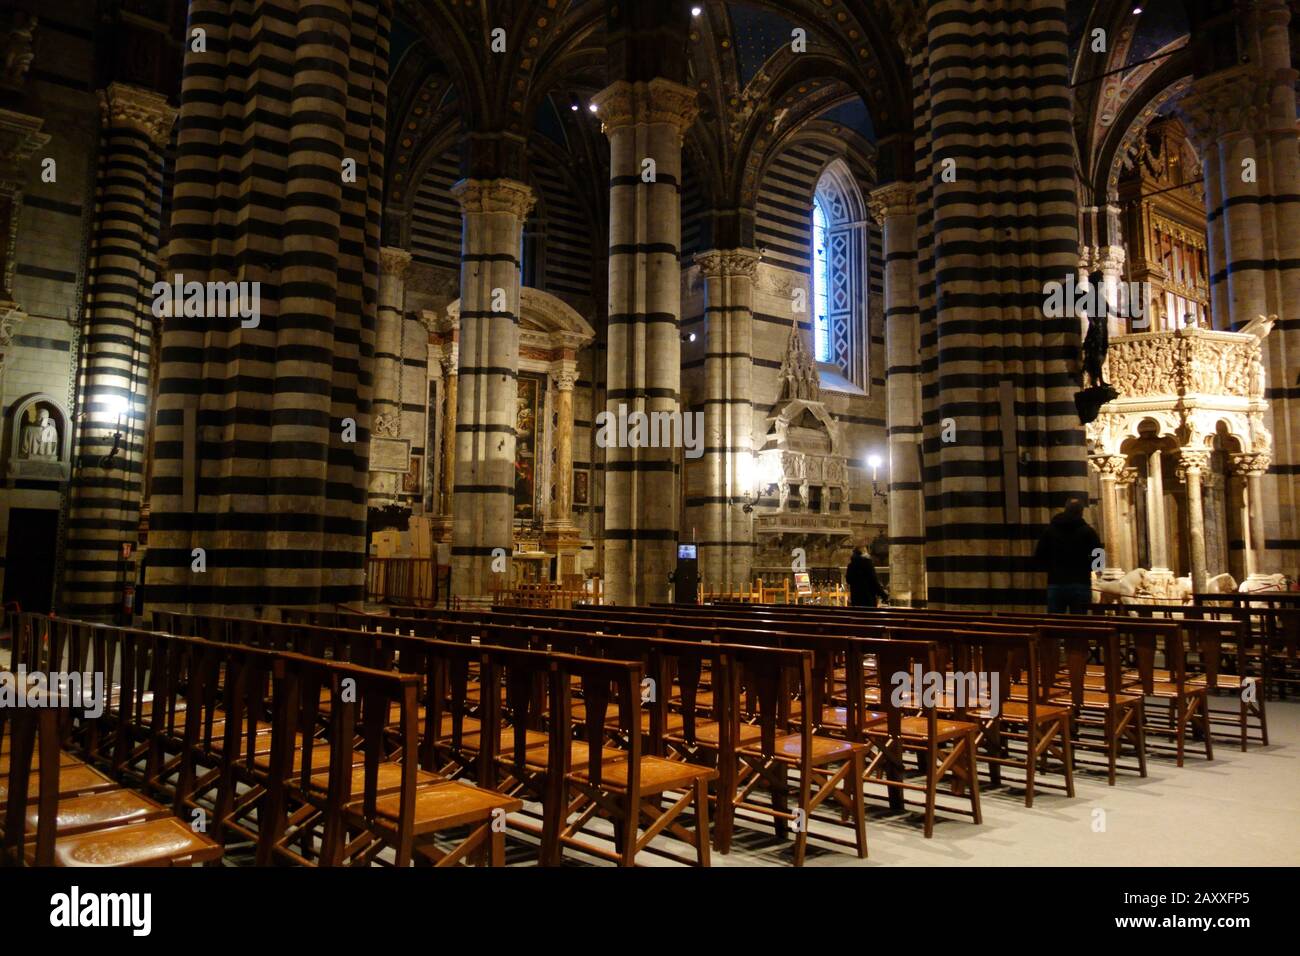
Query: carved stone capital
(394,261)
(1230,101)
(494,195)
(450,359)
(1192,460)
(20,137)
(1126,477)
(133,108)
(565,375)
(717,263)
(1110,467)
(658,101)
(1249,464)
(892,199)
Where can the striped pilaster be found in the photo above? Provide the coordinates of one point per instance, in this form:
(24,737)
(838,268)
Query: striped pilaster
(387,422)
(726,545)
(106,491)
(894,208)
(493,212)
(644,121)
(262,435)
(1244,118)
(1000,222)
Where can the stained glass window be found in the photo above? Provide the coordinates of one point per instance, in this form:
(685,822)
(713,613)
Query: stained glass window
(821,284)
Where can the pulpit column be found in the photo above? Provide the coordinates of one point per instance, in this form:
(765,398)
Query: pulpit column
(1109,468)
(1192,463)
(450,379)
(1252,467)
(1157,538)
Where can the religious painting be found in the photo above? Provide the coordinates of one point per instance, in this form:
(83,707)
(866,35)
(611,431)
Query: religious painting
(581,484)
(411,479)
(526,449)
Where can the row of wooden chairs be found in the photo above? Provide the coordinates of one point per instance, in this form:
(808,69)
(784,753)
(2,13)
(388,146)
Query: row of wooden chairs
(298,758)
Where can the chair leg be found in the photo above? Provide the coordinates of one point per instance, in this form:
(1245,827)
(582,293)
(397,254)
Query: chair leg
(1112,746)
(702,835)
(1068,750)
(1141,737)
(1182,727)
(498,852)
(1205,726)
(931,790)
(626,828)
(972,761)
(859,808)
(1031,762)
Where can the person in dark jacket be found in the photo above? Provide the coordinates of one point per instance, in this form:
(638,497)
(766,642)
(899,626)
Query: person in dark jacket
(1068,550)
(864,586)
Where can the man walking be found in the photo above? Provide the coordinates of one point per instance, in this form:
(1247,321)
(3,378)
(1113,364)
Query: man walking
(864,586)
(1068,549)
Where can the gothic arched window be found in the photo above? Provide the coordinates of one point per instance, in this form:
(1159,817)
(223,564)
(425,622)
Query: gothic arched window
(821,320)
(839,267)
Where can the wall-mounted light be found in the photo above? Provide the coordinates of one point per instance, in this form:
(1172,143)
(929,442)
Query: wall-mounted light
(115,408)
(591,107)
(874,462)
(757,475)
(573,102)
(696,11)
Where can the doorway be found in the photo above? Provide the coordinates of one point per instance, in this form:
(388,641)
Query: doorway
(29,558)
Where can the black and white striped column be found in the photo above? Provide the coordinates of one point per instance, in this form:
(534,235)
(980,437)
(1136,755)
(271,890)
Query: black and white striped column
(262,438)
(726,543)
(117,341)
(1243,122)
(493,213)
(645,121)
(997,221)
(386,421)
(894,208)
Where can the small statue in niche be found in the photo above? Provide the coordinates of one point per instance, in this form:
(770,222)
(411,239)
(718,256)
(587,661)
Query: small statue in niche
(40,440)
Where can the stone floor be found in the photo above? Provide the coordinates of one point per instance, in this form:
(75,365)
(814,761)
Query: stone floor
(1241,809)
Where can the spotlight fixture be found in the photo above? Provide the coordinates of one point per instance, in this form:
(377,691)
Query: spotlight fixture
(573,102)
(591,107)
(1137,11)
(696,11)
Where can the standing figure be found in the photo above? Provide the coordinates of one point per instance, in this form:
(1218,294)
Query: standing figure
(1068,549)
(864,586)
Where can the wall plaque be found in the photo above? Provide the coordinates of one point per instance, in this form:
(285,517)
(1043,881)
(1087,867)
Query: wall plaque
(390,454)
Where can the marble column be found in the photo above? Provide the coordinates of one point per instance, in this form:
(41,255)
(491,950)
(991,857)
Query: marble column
(483,523)
(386,406)
(108,481)
(1192,464)
(1252,468)
(1243,122)
(450,381)
(1125,483)
(645,121)
(1157,537)
(1109,468)
(726,546)
(894,207)
(560,535)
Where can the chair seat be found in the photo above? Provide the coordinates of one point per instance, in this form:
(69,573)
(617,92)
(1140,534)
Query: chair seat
(824,749)
(1096,698)
(73,781)
(917,728)
(468,725)
(1221,681)
(657,775)
(96,811)
(65,760)
(1018,710)
(1169,690)
(446,805)
(389,779)
(535,758)
(166,842)
(707,733)
(472,742)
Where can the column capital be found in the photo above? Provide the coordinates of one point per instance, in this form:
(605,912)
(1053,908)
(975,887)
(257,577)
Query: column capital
(494,195)
(1192,461)
(1229,101)
(892,199)
(658,101)
(1127,476)
(1250,464)
(1110,467)
(716,263)
(20,137)
(143,110)
(565,373)
(394,261)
